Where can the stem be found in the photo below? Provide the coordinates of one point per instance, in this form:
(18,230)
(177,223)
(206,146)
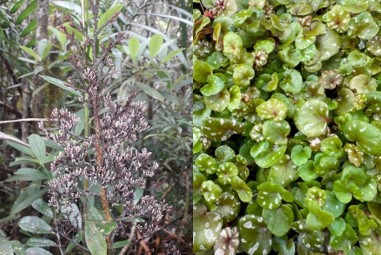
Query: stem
(22,120)
(99,160)
(86,134)
(132,235)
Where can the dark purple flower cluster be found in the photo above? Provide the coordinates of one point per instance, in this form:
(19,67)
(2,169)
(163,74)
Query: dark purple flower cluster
(123,169)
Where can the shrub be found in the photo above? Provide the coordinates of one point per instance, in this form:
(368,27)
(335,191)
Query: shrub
(287,131)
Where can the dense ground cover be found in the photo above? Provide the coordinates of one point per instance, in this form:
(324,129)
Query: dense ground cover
(287,127)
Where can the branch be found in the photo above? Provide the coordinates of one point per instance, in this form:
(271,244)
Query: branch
(22,120)
(6,137)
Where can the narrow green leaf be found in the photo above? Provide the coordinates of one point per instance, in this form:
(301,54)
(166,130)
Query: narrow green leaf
(17,6)
(120,244)
(154,45)
(61,37)
(20,160)
(5,247)
(138,194)
(28,174)
(31,7)
(31,26)
(37,145)
(60,84)
(40,242)
(22,148)
(43,48)
(81,123)
(33,224)
(26,198)
(134,47)
(95,241)
(170,55)
(31,52)
(152,92)
(68,5)
(109,14)
(27,60)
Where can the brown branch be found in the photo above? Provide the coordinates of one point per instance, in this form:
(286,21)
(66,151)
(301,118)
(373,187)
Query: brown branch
(99,162)
(23,120)
(10,138)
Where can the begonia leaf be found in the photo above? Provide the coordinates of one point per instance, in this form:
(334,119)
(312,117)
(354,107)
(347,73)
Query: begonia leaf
(228,206)
(272,109)
(255,237)
(244,192)
(276,132)
(300,154)
(279,220)
(235,97)
(307,171)
(292,81)
(201,70)
(243,74)
(363,26)
(220,129)
(284,246)
(226,172)
(283,172)
(232,44)
(224,153)
(363,83)
(312,118)
(206,228)
(345,241)
(214,86)
(328,44)
(210,191)
(218,102)
(354,5)
(366,135)
(370,244)
(206,163)
(267,154)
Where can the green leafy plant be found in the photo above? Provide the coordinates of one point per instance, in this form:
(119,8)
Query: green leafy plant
(287,126)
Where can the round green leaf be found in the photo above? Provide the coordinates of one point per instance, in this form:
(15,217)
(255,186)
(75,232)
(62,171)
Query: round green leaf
(267,154)
(292,81)
(272,109)
(312,118)
(276,132)
(232,44)
(279,220)
(228,206)
(300,154)
(201,71)
(214,86)
(254,235)
(206,228)
(243,74)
